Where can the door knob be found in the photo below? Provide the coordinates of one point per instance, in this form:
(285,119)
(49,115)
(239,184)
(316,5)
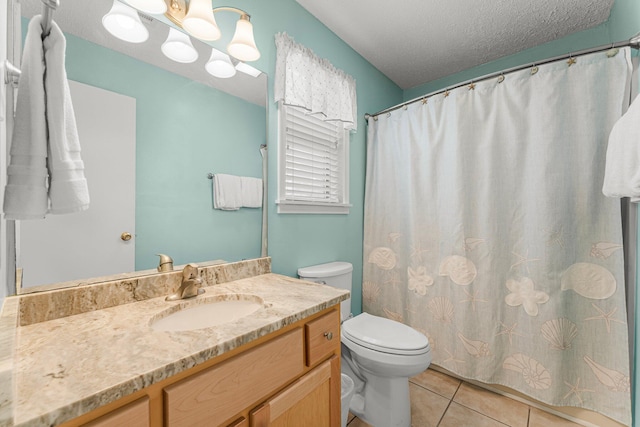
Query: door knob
(125,236)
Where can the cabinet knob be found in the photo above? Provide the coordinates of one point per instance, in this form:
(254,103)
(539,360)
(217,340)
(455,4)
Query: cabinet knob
(328,335)
(125,236)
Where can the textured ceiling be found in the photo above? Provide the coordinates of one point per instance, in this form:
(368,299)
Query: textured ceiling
(83,18)
(416,41)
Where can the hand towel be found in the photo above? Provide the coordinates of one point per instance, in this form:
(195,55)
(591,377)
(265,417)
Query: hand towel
(622,167)
(227,192)
(25,195)
(68,190)
(251,192)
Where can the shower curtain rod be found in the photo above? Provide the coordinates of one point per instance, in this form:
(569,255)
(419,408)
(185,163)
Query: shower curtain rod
(634,43)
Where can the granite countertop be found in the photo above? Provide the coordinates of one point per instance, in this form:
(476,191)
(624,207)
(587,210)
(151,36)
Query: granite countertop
(65,367)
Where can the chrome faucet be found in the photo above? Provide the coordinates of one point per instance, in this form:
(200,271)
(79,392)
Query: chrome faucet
(191,284)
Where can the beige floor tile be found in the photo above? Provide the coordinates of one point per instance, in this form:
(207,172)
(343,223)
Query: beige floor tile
(538,418)
(460,416)
(437,382)
(350,417)
(427,407)
(503,409)
(357,422)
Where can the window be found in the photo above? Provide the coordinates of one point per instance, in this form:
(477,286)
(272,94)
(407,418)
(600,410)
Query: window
(313,164)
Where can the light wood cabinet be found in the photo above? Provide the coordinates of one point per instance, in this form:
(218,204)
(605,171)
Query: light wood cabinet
(289,378)
(225,390)
(307,402)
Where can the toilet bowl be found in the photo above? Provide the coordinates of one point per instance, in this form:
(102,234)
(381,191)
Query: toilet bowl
(379,354)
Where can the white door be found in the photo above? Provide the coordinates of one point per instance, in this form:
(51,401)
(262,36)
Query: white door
(87,244)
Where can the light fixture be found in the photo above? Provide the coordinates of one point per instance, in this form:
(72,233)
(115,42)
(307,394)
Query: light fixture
(243,46)
(154,7)
(199,21)
(123,22)
(178,47)
(219,65)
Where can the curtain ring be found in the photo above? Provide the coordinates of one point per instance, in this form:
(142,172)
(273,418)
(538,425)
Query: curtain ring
(501,78)
(571,60)
(375,118)
(404,107)
(472,85)
(388,114)
(446,93)
(424,101)
(534,69)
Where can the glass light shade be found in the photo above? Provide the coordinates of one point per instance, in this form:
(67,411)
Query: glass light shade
(219,65)
(123,22)
(178,47)
(199,21)
(154,7)
(243,46)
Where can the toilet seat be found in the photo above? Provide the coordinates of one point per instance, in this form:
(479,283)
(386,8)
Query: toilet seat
(384,335)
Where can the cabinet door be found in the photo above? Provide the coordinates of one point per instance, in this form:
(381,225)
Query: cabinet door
(312,401)
(211,397)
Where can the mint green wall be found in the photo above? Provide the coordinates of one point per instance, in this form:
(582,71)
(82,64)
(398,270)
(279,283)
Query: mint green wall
(301,240)
(184,131)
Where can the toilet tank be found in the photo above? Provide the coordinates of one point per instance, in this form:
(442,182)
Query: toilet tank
(335,274)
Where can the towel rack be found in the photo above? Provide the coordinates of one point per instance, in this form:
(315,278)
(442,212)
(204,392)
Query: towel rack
(49,6)
(210,175)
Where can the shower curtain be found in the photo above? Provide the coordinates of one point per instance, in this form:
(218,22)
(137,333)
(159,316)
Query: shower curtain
(486,229)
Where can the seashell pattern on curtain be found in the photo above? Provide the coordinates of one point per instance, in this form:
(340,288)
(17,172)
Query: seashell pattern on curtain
(486,230)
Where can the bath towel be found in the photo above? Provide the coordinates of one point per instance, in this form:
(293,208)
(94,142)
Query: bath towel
(622,167)
(227,192)
(25,195)
(251,192)
(68,190)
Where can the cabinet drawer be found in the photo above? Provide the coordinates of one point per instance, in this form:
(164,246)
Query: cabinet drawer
(218,393)
(134,414)
(322,337)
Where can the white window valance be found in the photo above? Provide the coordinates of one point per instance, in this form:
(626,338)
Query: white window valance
(306,81)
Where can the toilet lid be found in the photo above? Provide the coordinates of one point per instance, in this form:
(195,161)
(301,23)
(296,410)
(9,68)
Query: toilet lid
(383,334)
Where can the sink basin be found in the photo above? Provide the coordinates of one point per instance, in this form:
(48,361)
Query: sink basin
(207,312)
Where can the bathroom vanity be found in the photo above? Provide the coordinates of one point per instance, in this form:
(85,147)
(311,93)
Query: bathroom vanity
(108,366)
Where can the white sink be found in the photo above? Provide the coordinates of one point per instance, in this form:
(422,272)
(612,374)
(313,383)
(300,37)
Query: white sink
(206,312)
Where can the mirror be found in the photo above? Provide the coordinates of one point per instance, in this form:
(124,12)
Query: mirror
(181,124)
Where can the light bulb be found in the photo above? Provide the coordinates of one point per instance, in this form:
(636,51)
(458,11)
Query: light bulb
(219,65)
(199,21)
(243,45)
(123,22)
(178,47)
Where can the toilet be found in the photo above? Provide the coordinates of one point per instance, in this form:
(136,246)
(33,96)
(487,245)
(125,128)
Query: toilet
(378,354)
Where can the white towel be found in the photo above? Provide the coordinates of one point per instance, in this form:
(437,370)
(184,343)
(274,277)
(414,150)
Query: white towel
(25,195)
(622,168)
(227,192)
(251,192)
(68,190)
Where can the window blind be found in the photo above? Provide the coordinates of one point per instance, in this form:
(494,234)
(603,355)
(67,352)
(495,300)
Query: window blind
(313,167)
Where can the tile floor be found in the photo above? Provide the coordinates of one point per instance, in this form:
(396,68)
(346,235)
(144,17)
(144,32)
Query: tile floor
(438,400)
